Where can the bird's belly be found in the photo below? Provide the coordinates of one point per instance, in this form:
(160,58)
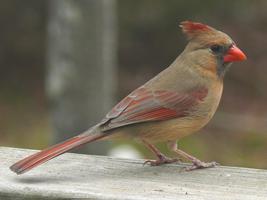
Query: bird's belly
(169,130)
(161,131)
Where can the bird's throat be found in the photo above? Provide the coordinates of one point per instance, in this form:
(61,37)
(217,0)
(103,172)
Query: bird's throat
(222,68)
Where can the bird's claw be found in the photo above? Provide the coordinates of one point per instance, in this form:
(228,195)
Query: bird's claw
(161,161)
(201,165)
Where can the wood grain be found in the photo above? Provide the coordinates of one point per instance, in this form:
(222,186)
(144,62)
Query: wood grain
(97,177)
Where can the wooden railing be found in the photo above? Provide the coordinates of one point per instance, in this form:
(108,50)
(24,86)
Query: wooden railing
(73,176)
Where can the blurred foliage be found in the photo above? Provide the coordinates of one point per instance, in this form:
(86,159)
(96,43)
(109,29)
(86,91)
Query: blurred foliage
(149,40)
(22,61)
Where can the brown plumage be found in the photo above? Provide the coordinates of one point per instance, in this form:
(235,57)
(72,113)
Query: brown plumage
(177,102)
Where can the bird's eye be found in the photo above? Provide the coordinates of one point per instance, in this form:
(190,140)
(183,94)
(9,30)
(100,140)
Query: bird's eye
(216,48)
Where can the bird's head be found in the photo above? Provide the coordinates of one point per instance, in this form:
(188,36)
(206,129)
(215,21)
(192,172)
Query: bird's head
(210,49)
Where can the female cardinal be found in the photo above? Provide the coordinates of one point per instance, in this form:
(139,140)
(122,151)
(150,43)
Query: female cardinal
(177,102)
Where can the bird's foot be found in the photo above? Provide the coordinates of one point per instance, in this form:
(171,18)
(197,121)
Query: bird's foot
(197,164)
(161,160)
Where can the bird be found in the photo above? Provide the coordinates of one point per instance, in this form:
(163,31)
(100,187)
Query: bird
(177,102)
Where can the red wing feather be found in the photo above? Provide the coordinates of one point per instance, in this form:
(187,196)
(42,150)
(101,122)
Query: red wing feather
(143,105)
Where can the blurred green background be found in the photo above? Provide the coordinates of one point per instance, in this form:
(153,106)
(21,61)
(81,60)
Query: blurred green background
(149,39)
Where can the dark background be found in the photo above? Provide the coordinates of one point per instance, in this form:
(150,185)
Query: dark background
(149,39)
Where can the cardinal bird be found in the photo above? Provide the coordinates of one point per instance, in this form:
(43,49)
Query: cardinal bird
(177,102)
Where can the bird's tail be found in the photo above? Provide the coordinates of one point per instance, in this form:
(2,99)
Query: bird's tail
(43,156)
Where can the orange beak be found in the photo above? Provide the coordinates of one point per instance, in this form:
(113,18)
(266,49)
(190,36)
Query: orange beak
(234,54)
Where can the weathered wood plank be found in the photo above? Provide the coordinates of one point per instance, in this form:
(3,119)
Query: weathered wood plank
(97,177)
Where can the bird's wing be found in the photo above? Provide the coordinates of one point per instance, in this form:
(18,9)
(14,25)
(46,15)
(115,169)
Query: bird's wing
(144,105)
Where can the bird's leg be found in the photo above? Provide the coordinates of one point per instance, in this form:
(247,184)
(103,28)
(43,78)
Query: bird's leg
(197,164)
(162,159)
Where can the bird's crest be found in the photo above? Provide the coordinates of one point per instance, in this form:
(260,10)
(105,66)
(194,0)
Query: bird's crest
(192,29)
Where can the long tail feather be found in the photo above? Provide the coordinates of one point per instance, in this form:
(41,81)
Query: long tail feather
(43,156)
